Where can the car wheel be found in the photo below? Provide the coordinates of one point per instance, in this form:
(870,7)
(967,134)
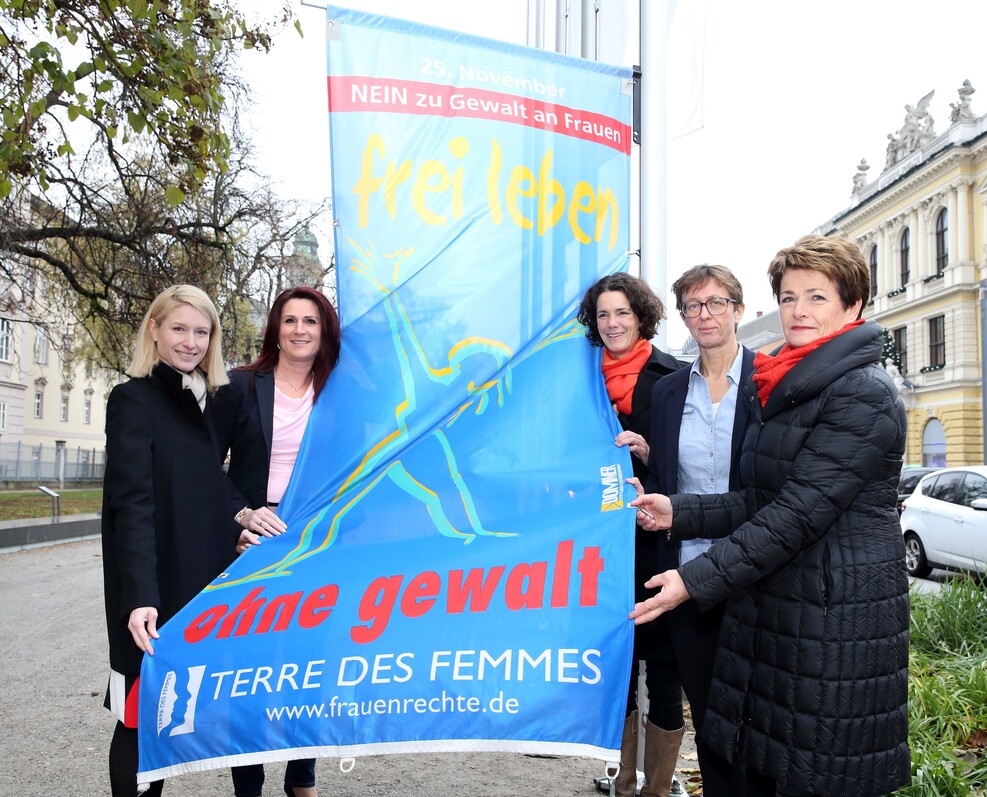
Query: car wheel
(915,562)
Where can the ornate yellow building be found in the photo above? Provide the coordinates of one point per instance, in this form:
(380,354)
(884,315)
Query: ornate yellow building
(921,225)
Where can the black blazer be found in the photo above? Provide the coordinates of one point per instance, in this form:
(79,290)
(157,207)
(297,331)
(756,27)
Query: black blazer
(244,417)
(658,366)
(657,369)
(667,406)
(165,522)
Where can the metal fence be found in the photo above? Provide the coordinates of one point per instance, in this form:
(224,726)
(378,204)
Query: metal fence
(50,463)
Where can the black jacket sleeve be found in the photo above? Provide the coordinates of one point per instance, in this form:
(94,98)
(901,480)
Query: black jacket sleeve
(129,483)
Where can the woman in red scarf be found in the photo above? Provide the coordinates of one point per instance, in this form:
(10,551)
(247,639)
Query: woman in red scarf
(810,681)
(621,314)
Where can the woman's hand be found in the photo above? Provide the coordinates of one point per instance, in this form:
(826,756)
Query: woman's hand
(673,592)
(262,522)
(638,445)
(143,627)
(654,511)
(246,540)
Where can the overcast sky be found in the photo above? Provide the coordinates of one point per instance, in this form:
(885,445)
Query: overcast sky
(795,94)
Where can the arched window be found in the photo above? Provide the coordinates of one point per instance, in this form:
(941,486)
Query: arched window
(942,240)
(934,444)
(903,255)
(873,272)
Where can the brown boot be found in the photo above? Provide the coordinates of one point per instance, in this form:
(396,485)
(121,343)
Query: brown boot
(661,753)
(626,784)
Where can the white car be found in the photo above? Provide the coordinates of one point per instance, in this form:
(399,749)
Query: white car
(945,522)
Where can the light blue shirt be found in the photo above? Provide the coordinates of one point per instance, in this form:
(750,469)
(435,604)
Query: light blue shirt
(705,438)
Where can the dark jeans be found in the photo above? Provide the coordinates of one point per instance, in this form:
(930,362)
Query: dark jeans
(652,644)
(248,780)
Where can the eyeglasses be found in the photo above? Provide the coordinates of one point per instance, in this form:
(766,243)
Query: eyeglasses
(716,306)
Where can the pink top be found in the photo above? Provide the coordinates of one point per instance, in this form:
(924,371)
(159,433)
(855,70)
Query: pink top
(290,417)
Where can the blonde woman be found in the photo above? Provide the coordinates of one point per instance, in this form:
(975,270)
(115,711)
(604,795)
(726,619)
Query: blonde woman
(166,502)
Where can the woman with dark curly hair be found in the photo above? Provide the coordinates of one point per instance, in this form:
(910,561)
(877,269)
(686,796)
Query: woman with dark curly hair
(621,314)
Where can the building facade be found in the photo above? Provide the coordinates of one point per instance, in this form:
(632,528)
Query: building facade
(51,405)
(921,226)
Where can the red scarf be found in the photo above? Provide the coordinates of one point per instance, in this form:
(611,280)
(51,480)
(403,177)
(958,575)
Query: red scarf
(770,369)
(621,374)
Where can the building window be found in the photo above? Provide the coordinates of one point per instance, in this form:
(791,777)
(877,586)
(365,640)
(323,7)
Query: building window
(900,336)
(934,444)
(6,339)
(903,254)
(63,412)
(937,341)
(40,346)
(942,240)
(3,416)
(39,398)
(873,272)
(87,411)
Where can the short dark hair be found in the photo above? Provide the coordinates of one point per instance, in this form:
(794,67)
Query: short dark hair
(837,258)
(646,305)
(329,341)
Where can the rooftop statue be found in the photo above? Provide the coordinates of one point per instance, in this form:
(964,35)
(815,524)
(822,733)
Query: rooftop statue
(917,130)
(961,111)
(860,178)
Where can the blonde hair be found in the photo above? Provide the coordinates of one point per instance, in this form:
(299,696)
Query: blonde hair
(146,353)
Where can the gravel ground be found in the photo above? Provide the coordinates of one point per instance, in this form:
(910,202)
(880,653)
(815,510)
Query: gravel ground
(55,733)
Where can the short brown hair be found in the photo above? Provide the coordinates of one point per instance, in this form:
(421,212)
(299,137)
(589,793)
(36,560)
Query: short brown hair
(697,276)
(646,305)
(837,258)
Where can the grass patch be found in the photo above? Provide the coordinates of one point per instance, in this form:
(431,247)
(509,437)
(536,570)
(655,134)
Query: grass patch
(947,691)
(22,504)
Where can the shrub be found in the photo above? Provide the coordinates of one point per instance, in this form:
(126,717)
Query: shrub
(947,691)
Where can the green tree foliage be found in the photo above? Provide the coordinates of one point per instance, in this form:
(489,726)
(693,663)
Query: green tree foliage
(127,67)
(123,170)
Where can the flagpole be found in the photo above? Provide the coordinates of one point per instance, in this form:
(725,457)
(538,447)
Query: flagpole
(654,148)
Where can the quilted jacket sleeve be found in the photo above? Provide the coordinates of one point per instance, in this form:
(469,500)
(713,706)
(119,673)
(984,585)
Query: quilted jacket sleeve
(812,463)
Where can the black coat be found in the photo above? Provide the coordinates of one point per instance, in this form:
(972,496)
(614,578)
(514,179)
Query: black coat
(165,524)
(667,408)
(243,412)
(658,366)
(810,683)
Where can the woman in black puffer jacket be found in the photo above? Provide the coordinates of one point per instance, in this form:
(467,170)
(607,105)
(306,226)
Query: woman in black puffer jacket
(810,687)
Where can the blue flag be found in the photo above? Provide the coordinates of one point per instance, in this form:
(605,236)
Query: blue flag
(457,570)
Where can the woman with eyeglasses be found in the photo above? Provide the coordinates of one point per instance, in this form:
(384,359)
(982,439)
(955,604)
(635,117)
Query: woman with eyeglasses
(621,314)
(810,684)
(698,422)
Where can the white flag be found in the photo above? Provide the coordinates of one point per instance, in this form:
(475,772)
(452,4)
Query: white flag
(684,58)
